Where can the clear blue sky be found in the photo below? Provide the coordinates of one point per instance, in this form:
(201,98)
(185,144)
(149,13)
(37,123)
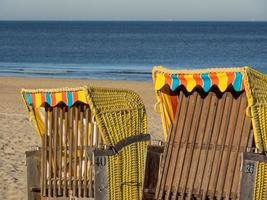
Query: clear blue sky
(222,10)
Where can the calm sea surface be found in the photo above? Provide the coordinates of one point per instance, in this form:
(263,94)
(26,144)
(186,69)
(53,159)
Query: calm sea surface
(127,50)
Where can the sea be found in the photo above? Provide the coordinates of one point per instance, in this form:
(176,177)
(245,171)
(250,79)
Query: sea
(127,50)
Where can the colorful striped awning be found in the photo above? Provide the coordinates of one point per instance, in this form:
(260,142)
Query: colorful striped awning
(38,98)
(202,78)
(205,79)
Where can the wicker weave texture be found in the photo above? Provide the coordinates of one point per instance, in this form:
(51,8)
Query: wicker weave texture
(260,191)
(255,84)
(120,114)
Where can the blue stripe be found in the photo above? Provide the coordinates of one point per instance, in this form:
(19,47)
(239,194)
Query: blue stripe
(48,98)
(28,98)
(206,82)
(69,99)
(237,84)
(175,82)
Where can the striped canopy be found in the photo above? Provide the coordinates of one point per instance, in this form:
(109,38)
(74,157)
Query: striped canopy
(252,82)
(205,79)
(38,98)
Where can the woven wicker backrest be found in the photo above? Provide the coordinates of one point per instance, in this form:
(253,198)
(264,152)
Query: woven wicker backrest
(120,115)
(203,153)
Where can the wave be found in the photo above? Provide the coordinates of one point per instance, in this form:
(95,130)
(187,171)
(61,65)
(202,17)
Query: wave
(75,71)
(82,71)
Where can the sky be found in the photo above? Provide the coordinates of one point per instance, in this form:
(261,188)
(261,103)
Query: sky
(199,10)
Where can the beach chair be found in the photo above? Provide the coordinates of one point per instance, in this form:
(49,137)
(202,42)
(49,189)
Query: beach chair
(215,128)
(92,144)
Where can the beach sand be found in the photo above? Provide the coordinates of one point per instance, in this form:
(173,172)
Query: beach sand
(17,134)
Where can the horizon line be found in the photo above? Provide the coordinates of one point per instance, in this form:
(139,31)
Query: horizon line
(128,20)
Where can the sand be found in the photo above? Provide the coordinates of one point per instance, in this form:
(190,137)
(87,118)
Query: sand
(17,134)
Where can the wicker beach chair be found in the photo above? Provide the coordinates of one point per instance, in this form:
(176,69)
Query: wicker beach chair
(215,129)
(93,142)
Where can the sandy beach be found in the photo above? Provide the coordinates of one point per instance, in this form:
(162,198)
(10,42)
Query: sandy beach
(17,134)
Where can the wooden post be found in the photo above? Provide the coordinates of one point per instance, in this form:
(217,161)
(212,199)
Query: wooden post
(153,158)
(33,162)
(101,179)
(249,161)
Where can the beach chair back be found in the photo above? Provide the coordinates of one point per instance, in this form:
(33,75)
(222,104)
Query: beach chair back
(203,153)
(93,142)
(67,129)
(122,120)
(69,132)
(214,124)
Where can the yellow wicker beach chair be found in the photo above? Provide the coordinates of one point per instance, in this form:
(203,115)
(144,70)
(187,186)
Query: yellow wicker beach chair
(93,142)
(215,128)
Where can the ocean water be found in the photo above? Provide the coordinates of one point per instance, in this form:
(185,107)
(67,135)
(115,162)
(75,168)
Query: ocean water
(127,50)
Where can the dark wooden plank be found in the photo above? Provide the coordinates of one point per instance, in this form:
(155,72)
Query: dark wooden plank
(168,149)
(163,166)
(81,133)
(180,153)
(246,132)
(59,190)
(167,168)
(223,163)
(55,146)
(237,137)
(204,134)
(65,134)
(210,153)
(50,121)
(70,131)
(197,144)
(76,114)
(215,110)
(190,144)
(228,117)
(180,120)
